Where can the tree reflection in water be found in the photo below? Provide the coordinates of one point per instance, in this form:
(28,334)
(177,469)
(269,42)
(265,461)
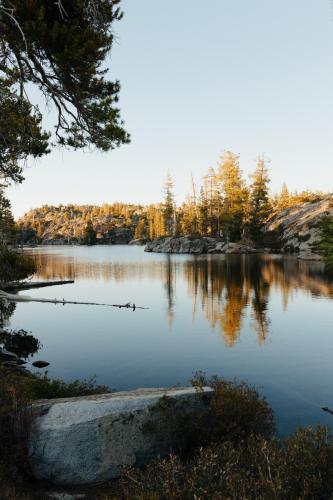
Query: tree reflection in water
(223,286)
(20,342)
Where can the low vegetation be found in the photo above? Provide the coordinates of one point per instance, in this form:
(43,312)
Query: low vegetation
(326,239)
(13,266)
(301,467)
(230,451)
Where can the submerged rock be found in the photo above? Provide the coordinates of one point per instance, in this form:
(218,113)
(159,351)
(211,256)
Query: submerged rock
(89,439)
(40,364)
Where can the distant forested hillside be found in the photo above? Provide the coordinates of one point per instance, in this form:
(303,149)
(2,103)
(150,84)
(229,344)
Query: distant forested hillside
(224,206)
(81,223)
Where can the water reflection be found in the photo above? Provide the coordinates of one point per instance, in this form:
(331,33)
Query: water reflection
(19,342)
(7,310)
(224,287)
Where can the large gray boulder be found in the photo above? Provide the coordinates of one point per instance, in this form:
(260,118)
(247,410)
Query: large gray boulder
(86,440)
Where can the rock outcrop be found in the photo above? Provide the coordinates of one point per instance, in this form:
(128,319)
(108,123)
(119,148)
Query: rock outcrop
(89,439)
(296,227)
(138,241)
(118,236)
(190,245)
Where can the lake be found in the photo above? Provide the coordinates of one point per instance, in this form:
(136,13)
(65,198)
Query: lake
(264,319)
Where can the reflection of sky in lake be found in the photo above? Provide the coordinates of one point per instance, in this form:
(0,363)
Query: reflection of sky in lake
(267,320)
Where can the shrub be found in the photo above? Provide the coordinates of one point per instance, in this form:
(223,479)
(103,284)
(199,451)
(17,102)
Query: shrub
(234,411)
(14,266)
(325,244)
(257,468)
(41,387)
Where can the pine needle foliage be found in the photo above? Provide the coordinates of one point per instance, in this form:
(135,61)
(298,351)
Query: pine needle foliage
(61,48)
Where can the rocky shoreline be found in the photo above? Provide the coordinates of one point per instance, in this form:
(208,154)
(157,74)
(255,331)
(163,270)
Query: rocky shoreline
(204,245)
(197,246)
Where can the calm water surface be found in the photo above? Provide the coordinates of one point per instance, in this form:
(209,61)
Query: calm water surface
(268,320)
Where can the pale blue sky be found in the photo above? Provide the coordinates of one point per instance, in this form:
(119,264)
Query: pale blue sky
(199,77)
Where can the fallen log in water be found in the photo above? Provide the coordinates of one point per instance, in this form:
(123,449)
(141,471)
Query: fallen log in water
(35,284)
(8,297)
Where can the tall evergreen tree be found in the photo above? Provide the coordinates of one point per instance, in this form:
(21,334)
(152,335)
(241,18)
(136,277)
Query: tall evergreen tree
(188,222)
(202,213)
(260,206)
(59,46)
(89,234)
(169,205)
(214,202)
(234,195)
(7,224)
(140,229)
(284,199)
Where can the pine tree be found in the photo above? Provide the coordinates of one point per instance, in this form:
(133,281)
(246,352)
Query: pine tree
(260,207)
(61,47)
(202,213)
(214,202)
(234,194)
(89,234)
(140,229)
(284,199)
(169,205)
(188,221)
(7,224)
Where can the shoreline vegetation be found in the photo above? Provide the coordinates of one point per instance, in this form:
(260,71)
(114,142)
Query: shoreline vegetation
(225,208)
(232,461)
(230,451)
(227,450)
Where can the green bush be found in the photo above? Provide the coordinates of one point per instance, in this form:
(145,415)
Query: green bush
(41,387)
(325,244)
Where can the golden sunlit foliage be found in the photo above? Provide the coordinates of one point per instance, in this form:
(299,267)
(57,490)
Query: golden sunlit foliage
(225,206)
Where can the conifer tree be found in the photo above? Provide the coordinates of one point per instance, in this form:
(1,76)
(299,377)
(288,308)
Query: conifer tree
(188,222)
(169,205)
(284,199)
(214,202)
(60,47)
(7,224)
(260,206)
(234,196)
(89,234)
(140,229)
(202,213)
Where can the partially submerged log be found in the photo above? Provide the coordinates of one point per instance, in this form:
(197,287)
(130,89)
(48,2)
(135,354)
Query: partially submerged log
(9,297)
(34,284)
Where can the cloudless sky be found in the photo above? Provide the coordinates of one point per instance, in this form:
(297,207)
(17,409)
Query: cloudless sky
(197,78)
